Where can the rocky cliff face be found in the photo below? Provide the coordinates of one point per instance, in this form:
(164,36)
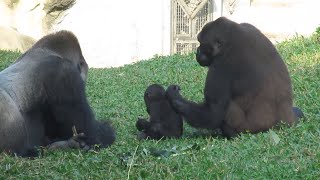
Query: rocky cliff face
(12,40)
(23,21)
(114,33)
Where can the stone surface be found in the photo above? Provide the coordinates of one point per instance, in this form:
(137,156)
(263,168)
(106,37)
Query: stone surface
(33,17)
(114,33)
(10,39)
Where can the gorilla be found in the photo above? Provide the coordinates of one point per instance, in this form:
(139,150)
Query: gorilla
(164,122)
(247,89)
(42,98)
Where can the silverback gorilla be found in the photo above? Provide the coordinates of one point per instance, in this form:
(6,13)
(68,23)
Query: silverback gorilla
(164,122)
(247,89)
(42,97)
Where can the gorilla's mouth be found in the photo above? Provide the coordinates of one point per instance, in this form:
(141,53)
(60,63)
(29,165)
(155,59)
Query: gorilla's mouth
(203,60)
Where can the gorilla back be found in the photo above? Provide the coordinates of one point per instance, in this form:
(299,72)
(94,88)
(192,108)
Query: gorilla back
(40,102)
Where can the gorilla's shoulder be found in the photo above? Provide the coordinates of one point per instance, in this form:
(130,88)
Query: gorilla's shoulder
(37,54)
(56,63)
(44,63)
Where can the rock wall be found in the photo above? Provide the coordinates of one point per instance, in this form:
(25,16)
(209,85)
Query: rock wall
(114,33)
(33,17)
(12,40)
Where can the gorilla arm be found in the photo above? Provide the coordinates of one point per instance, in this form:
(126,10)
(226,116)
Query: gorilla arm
(65,91)
(211,112)
(75,142)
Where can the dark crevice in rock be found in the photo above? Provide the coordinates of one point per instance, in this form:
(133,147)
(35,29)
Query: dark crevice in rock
(58,5)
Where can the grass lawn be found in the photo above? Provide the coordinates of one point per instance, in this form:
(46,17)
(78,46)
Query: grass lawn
(116,94)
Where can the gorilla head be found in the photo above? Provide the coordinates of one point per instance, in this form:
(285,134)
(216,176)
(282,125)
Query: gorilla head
(65,44)
(213,42)
(153,94)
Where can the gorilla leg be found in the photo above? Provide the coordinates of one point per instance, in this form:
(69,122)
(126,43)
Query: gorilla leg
(142,124)
(237,121)
(257,123)
(286,113)
(235,117)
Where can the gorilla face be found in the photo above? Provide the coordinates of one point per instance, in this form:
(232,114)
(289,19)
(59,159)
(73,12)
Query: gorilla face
(212,44)
(204,55)
(65,44)
(207,52)
(72,51)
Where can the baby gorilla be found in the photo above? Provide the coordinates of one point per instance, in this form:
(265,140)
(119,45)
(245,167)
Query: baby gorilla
(164,121)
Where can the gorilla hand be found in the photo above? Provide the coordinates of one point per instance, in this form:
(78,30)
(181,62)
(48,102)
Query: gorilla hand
(75,142)
(175,98)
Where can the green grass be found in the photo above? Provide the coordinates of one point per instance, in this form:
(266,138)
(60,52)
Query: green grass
(116,94)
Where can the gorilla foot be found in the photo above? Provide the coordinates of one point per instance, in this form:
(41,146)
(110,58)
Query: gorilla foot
(298,112)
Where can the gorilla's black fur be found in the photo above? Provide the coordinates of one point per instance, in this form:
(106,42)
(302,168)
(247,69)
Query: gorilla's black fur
(164,122)
(248,87)
(42,96)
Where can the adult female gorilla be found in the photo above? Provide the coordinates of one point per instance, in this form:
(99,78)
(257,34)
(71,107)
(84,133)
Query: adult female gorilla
(248,87)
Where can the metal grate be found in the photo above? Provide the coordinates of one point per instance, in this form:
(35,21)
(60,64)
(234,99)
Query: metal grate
(202,18)
(185,48)
(188,18)
(182,22)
